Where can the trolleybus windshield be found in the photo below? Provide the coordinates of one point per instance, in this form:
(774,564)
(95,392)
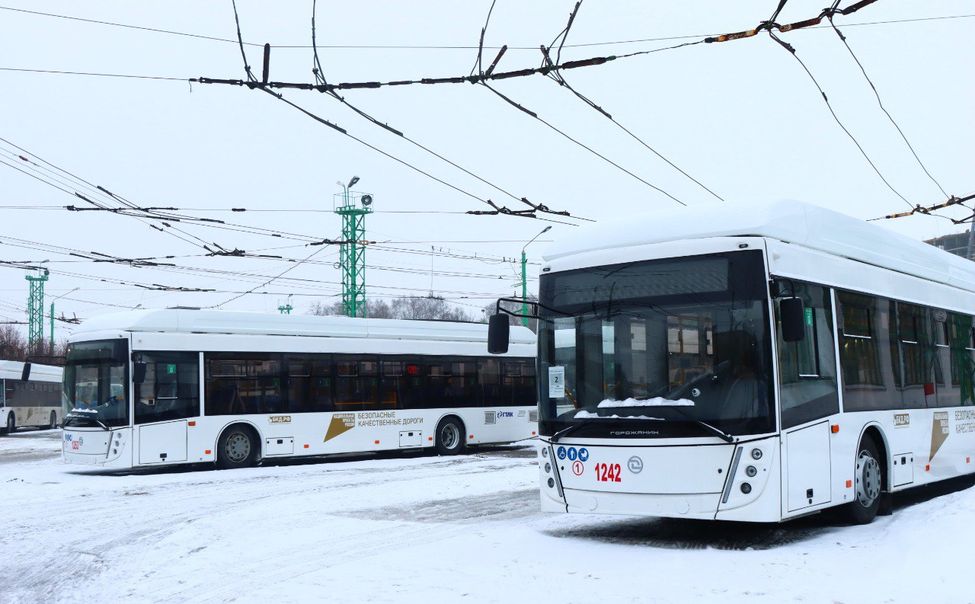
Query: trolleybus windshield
(662,348)
(96,384)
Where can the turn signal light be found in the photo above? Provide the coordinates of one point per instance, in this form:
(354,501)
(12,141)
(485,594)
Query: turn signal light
(207,452)
(834,428)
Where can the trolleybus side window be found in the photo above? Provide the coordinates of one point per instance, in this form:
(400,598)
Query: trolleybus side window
(865,353)
(242,383)
(356,382)
(171,388)
(948,392)
(916,368)
(962,343)
(518,382)
(807,368)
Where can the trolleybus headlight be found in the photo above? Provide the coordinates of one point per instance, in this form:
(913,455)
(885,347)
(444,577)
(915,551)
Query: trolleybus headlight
(746,488)
(751,471)
(551,483)
(756,454)
(548,468)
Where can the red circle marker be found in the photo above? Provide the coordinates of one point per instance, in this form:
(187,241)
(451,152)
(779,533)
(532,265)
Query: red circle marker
(577,468)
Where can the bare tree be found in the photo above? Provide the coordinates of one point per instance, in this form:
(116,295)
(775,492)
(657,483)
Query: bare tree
(430,308)
(377,309)
(13,344)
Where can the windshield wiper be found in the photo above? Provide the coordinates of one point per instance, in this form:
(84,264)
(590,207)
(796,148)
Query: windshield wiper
(566,431)
(716,431)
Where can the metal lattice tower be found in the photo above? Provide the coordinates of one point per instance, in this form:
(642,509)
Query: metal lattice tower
(352,253)
(35,310)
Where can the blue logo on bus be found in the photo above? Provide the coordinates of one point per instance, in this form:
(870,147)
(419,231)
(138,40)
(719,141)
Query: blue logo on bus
(573,454)
(561,452)
(583,454)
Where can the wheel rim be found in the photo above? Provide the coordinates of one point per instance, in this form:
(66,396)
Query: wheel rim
(449,436)
(238,447)
(867,479)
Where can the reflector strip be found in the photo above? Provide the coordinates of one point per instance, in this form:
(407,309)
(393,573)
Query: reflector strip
(849,484)
(191,424)
(207,452)
(306,445)
(731,476)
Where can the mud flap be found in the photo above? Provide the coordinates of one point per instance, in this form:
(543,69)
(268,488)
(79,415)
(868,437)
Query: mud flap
(886,506)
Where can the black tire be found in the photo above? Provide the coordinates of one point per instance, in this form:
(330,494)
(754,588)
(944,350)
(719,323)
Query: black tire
(53,425)
(11,423)
(868,483)
(237,448)
(450,436)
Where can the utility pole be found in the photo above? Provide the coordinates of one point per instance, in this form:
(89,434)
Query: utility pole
(352,252)
(524,278)
(35,311)
(52,314)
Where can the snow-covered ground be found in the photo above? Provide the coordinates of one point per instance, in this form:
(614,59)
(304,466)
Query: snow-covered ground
(433,529)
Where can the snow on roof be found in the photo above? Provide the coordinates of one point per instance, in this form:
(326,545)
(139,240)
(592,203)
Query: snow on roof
(794,222)
(253,323)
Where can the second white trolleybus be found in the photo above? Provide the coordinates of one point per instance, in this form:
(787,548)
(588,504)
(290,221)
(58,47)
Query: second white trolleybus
(34,402)
(751,363)
(148,388)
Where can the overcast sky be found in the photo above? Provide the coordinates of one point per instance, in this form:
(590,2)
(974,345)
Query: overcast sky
(742,118)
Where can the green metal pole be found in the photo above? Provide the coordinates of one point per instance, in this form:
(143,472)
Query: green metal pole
(52,329)
(524,289)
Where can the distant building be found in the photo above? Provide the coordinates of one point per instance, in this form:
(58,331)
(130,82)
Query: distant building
(956,243)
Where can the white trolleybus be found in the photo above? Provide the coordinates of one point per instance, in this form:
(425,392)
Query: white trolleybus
(34,402)
(149,388)
(752,364)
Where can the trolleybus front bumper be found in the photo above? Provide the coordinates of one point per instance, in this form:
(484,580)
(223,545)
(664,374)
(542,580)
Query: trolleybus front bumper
(705,480)
(97,447)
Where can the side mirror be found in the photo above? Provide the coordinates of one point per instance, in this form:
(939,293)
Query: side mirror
(25,374)
(139,373)
(792,314)
(499,330)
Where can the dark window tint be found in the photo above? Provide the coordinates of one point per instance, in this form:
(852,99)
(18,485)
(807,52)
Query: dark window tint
(171,388)
(962,353)
(243,383)
(356,383)
(807,369)
(865,353)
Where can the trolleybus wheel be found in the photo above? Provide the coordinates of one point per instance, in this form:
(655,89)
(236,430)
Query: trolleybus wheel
(450,436)
(11,423)
(54,421)
(237,448)
(868,483)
